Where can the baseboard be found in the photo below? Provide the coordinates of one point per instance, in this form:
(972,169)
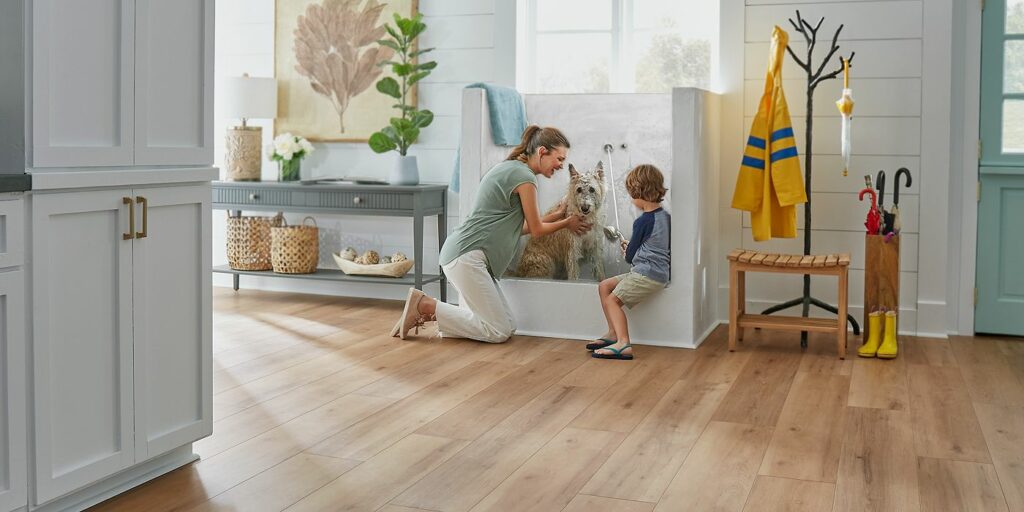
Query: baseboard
(121,482)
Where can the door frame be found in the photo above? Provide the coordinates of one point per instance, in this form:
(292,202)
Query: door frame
(970,165)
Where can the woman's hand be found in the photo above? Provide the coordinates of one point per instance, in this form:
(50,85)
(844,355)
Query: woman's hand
(577,225)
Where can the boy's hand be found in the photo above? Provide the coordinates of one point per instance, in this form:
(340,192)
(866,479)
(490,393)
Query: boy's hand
(623,244)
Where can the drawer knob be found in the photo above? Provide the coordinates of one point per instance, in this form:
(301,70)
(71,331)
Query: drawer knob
(358,200)
(253,197)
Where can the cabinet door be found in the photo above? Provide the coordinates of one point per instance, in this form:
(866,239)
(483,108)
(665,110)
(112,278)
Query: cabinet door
(82,82)
(173,319)
(174,82)
(82,339)
(13,453)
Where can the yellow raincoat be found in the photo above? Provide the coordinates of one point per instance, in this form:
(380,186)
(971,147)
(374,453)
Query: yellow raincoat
(771,197)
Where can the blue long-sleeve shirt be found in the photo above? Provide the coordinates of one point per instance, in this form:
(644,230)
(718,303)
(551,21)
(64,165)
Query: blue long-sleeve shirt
(648,249)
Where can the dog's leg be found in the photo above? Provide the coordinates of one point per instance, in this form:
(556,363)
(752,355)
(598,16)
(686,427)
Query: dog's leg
(572,259)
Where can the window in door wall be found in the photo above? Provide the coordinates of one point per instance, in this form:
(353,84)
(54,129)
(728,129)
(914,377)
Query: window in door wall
(601,46)
(1002,123)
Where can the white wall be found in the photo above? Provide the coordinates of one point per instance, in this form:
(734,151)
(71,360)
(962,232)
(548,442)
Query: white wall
(901,83)
(463,31)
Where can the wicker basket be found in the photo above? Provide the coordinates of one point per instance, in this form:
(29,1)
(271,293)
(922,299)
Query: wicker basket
(352,268)
(295,249)
(249,241)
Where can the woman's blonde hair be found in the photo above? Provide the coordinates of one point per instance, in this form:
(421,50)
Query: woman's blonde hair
(534,137)
(646,182)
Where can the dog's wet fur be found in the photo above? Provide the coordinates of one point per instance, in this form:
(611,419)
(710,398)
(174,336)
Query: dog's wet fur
(560,254)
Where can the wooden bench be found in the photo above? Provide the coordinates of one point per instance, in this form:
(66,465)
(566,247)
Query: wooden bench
(741,262)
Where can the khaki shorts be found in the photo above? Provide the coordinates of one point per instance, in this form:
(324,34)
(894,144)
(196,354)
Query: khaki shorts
(634,288)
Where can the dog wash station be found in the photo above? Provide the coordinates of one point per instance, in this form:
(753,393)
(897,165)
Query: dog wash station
(678,132)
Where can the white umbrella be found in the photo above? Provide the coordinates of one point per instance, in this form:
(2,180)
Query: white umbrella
(845,106)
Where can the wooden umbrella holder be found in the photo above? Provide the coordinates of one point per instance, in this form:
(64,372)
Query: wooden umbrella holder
(881,275)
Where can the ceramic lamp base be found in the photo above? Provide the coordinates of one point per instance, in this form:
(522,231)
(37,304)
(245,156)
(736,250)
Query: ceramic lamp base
(243,157)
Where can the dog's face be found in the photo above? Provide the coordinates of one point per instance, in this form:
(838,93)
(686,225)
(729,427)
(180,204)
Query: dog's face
(586,191)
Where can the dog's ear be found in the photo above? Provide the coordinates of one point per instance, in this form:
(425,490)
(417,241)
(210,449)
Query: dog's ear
(599,171)
(573,173)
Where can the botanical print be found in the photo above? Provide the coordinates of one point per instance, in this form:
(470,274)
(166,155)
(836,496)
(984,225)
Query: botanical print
(326,60)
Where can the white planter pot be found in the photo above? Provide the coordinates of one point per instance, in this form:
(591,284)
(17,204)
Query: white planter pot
(405,171)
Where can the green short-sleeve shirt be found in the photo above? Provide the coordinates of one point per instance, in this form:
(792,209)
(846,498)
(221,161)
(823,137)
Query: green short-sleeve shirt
(497,218)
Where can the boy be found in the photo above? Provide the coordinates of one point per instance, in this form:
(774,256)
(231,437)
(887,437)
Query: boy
(647,252)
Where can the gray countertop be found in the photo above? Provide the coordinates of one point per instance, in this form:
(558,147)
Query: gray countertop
(15,182)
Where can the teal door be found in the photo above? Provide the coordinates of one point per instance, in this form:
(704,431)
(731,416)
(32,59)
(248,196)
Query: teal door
(1000,278)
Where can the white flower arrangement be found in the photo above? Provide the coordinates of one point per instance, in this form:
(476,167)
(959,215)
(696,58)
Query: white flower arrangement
(287,146)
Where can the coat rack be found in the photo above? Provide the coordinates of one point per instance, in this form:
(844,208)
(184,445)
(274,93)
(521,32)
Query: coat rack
(814,77)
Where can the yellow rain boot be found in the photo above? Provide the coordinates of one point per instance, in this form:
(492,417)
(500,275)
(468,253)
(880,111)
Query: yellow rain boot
(874,326)
(888,349)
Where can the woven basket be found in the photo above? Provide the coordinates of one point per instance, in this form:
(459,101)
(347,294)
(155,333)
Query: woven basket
(295,249)
(380,270)
(249,241)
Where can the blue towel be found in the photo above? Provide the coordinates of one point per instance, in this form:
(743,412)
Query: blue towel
(508,120)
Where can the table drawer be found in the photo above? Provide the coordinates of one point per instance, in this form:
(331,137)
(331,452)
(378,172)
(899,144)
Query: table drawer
(255,196)
(12,232)
(361,200)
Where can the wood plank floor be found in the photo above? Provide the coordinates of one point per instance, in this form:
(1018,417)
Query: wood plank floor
(317,408)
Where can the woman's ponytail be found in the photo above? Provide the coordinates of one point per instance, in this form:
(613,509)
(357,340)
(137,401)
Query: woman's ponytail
(534,137)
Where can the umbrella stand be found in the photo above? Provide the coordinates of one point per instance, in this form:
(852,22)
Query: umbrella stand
(814,77)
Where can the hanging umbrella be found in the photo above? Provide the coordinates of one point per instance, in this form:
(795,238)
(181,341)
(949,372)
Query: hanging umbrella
(845,106)
(874,219)
(896,198)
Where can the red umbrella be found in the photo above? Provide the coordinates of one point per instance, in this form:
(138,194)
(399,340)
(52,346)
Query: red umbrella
(874,218)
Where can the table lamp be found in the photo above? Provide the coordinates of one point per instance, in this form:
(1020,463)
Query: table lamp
(245,98)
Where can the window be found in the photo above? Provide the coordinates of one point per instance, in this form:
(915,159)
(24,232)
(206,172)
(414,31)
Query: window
(1002,83)
(599,46)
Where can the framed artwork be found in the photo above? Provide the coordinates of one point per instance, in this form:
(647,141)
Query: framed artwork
(326,60)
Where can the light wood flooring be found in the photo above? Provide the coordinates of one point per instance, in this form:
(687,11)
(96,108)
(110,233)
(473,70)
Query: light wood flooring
(317,408)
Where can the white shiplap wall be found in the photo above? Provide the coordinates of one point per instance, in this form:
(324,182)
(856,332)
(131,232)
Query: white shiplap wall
(463,31)
(901,119)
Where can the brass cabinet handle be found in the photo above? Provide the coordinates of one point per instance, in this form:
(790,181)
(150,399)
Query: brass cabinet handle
(131,218)
(145,216)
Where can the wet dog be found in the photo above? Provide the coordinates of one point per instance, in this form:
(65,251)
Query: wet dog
(559,254)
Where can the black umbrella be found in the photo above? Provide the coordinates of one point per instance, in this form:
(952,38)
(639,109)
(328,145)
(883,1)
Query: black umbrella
(887,217)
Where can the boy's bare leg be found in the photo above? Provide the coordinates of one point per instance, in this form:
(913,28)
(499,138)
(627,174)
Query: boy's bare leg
(617,317)
(605,290)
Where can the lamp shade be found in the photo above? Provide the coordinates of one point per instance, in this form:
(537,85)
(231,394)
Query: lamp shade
(248,97)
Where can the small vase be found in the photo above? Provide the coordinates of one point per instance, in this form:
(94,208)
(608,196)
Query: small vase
(288,170)
(405,172)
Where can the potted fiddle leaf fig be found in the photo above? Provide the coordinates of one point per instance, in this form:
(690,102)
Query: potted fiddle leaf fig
(403,131)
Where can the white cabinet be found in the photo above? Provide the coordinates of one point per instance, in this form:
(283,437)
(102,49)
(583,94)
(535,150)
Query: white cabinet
(117,83)
(13,451)
(122,330)
(173,82)
(82,87)
(172,319)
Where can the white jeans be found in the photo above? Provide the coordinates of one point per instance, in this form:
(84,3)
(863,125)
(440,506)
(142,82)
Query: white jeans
(483,313)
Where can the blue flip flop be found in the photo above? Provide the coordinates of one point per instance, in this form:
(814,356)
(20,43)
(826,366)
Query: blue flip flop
(600,343)
(617,353)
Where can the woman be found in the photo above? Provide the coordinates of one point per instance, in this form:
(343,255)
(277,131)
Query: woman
(480,250)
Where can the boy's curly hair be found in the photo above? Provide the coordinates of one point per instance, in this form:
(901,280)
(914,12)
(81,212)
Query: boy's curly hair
(646,182)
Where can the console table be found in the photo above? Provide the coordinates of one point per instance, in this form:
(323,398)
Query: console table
(416,201)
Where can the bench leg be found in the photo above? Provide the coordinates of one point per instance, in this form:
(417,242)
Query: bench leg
(741,302)
(844,279)
(734,295)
